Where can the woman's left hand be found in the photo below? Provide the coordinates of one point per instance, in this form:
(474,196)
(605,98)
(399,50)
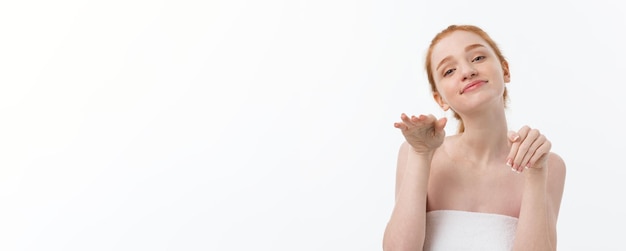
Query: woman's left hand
(529,149)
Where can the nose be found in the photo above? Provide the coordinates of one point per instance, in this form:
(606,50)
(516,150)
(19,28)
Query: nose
(469,71)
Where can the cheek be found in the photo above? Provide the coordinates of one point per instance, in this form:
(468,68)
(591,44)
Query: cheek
(447,86)
(446,89)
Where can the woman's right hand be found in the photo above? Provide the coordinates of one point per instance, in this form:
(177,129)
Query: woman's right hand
(424,133)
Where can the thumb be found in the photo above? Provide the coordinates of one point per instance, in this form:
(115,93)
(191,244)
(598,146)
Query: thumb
(513,136)
(440,124)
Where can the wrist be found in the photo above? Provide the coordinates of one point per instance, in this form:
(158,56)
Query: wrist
(422,153)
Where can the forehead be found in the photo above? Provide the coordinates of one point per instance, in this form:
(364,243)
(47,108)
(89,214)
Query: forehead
(455,43)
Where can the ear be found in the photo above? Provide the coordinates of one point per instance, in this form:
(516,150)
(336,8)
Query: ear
(440,101)
(505,70)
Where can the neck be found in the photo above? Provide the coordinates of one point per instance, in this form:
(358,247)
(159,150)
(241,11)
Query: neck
(485,137)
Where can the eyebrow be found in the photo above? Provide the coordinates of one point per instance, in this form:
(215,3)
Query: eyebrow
(468,48)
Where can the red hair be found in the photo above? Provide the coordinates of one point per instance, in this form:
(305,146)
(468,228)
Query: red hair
(470,28)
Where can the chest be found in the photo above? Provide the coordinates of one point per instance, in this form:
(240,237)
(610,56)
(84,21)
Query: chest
(492,189)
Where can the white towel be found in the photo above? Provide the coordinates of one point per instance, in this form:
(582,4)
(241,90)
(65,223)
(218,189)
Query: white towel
(450,230)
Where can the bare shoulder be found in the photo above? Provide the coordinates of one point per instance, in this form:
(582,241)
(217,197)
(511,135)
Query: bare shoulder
(404,147)
(557,167)
(402,155)
(401,162)
(556,180)
(441,155)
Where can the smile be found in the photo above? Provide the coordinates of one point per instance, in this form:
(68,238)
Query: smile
(472,86)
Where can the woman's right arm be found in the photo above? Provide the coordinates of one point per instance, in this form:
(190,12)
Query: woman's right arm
(406,228)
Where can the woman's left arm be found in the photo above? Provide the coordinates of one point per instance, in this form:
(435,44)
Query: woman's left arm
(544,174)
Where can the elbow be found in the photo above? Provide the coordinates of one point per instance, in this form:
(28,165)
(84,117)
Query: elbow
(388,247)
(403,238)
(395,244)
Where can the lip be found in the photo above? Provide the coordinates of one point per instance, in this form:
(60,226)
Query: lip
(472,85)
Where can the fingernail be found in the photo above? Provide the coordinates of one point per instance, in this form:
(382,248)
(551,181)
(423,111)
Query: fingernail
(509,162)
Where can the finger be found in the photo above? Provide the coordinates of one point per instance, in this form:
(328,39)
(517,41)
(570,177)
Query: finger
(406,119)
(423,120)
(404,125)
(399,125)
(523,151)
(441,124)
(511,156)
(513,136)
(523,132)
(532,150)
(515,148)
(428,120)
(542,152)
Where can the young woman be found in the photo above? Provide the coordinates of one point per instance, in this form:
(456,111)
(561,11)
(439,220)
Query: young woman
(484,188)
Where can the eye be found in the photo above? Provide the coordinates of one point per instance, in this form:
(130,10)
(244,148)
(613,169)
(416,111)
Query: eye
(448,72)
(479,58)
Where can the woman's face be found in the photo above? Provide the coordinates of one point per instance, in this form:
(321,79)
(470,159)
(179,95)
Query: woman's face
(467,72)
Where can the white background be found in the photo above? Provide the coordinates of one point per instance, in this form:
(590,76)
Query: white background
(268,125)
